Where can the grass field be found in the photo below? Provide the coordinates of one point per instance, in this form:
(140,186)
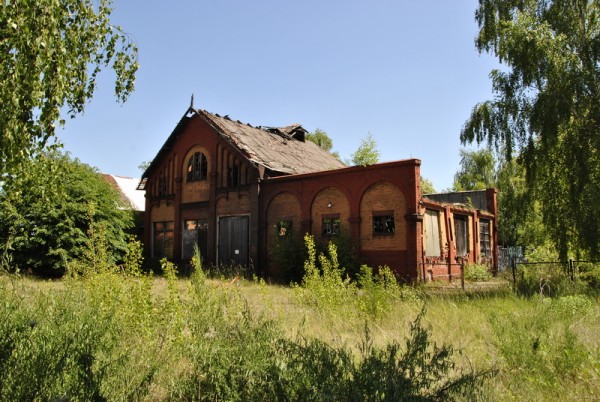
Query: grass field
(142,338)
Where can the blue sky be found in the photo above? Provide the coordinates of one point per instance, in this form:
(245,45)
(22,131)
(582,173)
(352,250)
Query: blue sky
(405,71)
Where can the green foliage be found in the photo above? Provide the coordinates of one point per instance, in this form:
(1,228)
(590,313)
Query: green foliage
(367,152)
(477,272)
(322,285)
(421,371)
(520,220)
(378,292)
(539,345)
(547,109)
(68,345)
(288,254)
(320,138)
(427,186)
(477,170)
(589,274)
(52,53)
(544,279)
(59,211)
(134,258)
(323,140)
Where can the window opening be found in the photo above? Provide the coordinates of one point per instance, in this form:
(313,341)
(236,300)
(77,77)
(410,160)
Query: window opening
(383,223)
(233,176)
(283,228)
(485,238)
(162,245)
(197,168)
(330,226)
(195,232)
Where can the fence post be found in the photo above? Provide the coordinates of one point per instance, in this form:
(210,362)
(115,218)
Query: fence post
(572,270)
(462,274)
(513,263)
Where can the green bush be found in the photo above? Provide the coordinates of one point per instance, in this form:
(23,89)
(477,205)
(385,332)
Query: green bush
(477,272)
(51,212)
(289,254)
(589,274)
(545,280)
(421,371)
(322,285)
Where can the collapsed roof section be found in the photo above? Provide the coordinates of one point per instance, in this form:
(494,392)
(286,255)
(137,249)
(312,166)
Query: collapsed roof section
(281,150)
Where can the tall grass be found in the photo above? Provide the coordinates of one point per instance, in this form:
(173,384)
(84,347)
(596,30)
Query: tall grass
(117,334)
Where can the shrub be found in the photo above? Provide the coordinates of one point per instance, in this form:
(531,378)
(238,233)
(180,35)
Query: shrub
(477,272)
(323,286)
(289,254)
(589,274)
(377,292)
(544,279)
(421,371)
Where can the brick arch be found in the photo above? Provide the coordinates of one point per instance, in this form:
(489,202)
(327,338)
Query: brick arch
(320,209)
(283,206)
(380,197)
(197,190)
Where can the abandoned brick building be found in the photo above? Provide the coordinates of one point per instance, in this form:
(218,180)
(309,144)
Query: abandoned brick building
(232,188)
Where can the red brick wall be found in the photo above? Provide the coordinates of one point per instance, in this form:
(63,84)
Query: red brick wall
(354,193)
(383,197)
(320,209)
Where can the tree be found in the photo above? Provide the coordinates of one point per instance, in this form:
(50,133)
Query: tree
(321,138)
(52,215)
(519,216)
(427,186)
(547,108)
(367,153)
(52,52)
(477,170)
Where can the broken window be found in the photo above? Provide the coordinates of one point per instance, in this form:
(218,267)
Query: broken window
(485,238)
(330,225)
(162,245)
(233,176)
(195,232)
(197,168)
(432,233)
(162,186)
(283,228)
(461,235)
(383,223)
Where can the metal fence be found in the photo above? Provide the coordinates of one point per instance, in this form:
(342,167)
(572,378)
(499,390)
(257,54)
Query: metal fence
(507,256)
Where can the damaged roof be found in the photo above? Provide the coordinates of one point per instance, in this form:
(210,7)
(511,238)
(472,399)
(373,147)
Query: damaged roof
(280,149)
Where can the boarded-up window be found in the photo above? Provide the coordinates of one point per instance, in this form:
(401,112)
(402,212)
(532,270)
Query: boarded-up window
(485,238)
(195,232)
(432,233)
(162,245)
(461,235)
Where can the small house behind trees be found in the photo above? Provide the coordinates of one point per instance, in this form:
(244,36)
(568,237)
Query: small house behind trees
(233,189)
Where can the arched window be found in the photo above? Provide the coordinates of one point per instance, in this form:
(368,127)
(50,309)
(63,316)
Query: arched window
(197,168)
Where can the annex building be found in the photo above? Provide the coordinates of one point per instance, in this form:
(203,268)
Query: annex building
(231,188)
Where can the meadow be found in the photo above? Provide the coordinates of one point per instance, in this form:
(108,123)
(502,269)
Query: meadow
(114,334)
